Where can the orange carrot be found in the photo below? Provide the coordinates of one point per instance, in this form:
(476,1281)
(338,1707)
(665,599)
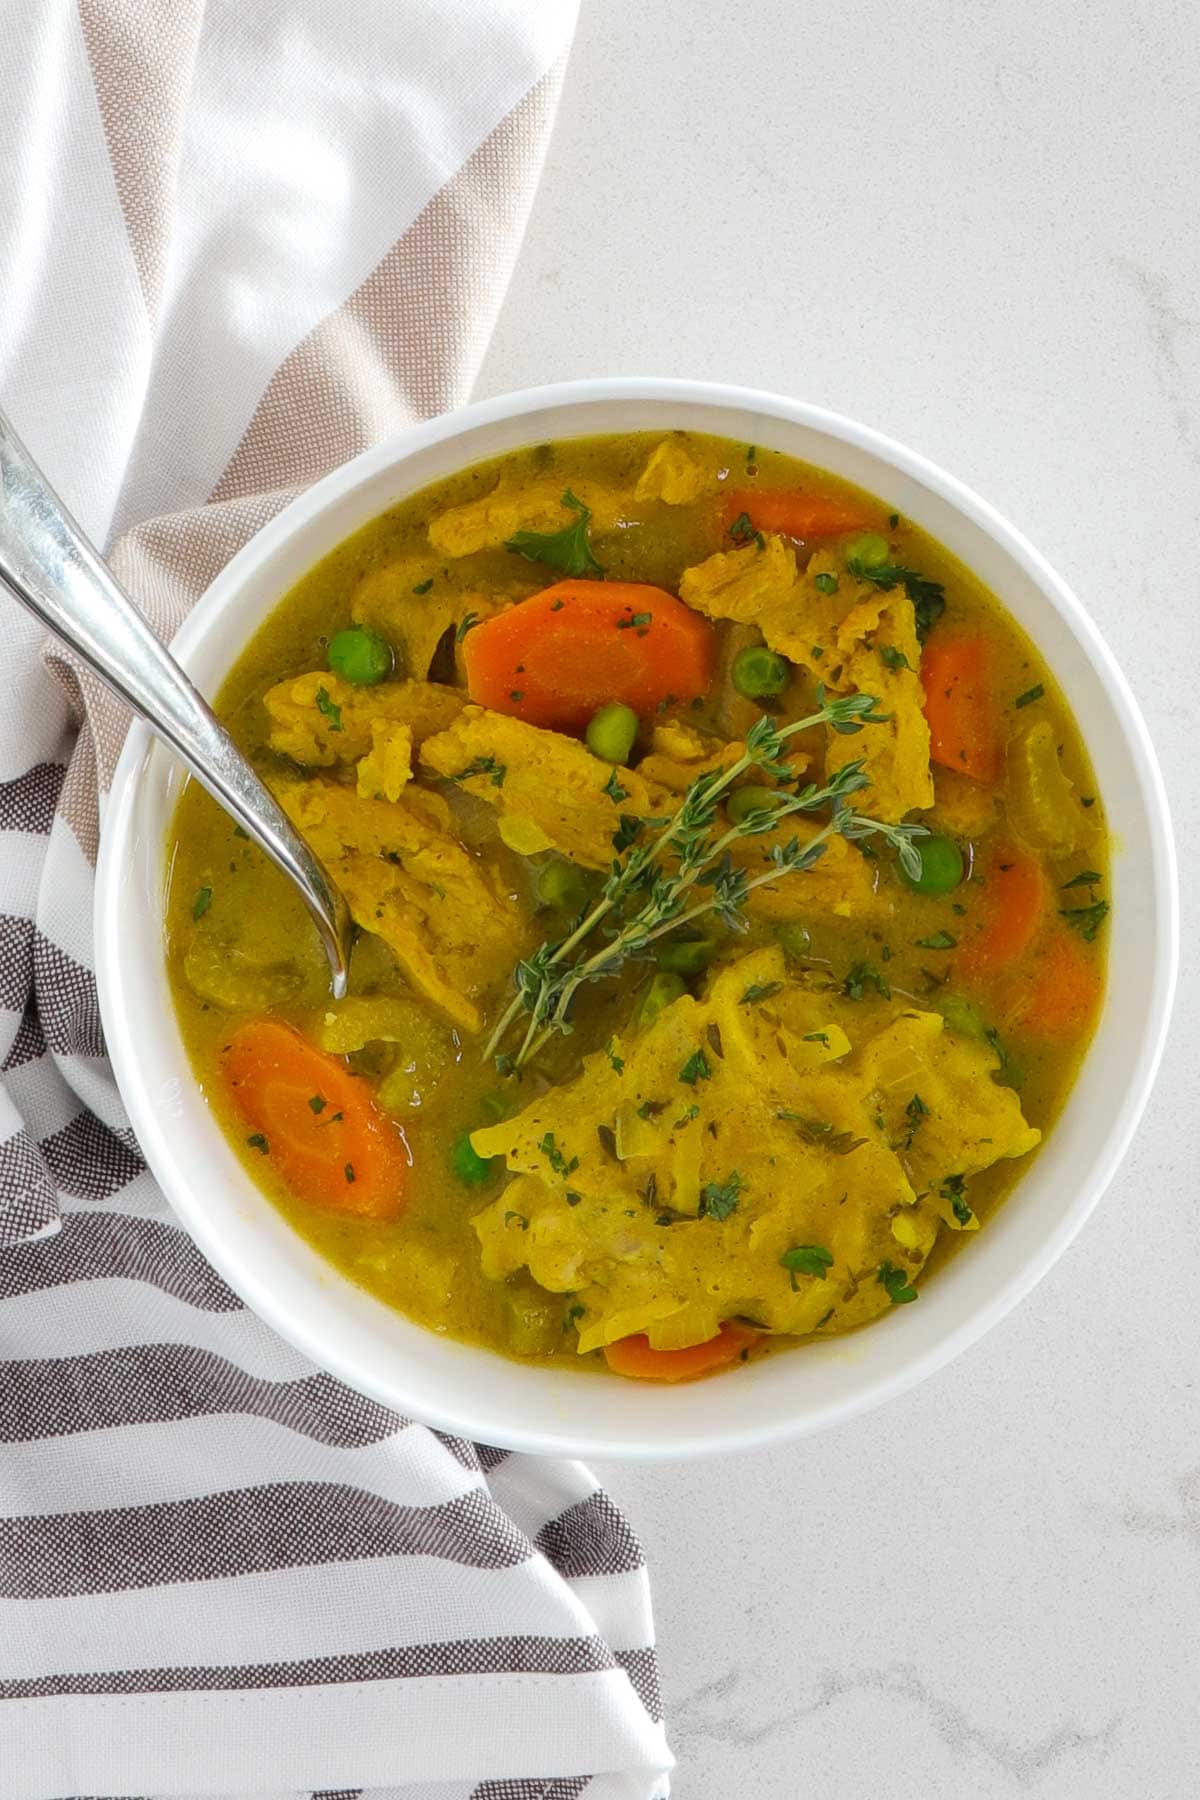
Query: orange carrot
(555,659)
(1015,897)
(964,730)
(794,513)
(1059,994)
(633,1355)
(316,1123)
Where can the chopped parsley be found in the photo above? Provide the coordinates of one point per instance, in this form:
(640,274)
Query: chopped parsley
(807,1259)
(816,1037)
(938,940)
(516,694)
(555,1157)
(1036,692)
(1085,878)
(1086,920)
(483,765)
(202,902)
(628,831)
(896,1281)
(742,531)
(893,521)
(614,790)
(650,1109)
(928,597)
(572,1313)
(572,1198)
(695,1069)
(892,658)
(328,710)
(686,1117)
(993,1038)
(825,583)
(915,1112)
(719,1198)
(953,1189)
(569,549)
(522,1221)
(257,1141)
(617,1062)
(860,977)
(240,831)
(760,990)
(636,621)
(423,587)
(465,624)
(317,1103)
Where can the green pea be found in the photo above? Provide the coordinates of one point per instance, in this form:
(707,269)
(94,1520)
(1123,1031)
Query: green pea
(869,549)
(662,992)
(563,885)
(360,656)
(758,672)
(796,941)
(745,800)
(611,732)
(941,866)
(687,956)
(467,1165)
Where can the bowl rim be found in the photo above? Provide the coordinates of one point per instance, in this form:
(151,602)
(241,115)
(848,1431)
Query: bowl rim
(115,849)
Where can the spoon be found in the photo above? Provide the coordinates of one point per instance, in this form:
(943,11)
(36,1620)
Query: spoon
(48,564)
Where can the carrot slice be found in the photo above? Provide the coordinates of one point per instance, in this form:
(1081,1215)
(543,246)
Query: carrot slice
(315,1122)
(1015,897)
(960,707)
(633,1355)
(1060,992)
(554,659)
(795,514)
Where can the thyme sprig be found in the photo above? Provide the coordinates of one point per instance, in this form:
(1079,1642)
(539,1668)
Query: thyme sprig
(662,862)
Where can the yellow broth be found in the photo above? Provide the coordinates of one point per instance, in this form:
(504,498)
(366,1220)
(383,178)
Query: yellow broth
(239,944)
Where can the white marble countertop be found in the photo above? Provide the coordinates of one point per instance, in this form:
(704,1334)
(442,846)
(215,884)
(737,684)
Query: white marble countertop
(973,226)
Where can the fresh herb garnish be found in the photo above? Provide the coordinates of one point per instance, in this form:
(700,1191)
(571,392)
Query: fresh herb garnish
(816,1037)
(686,1117)
(807,1259)
(555,1157)
(257,1141)
(423,587)
(628,831)
(572,1198)
(650,1109)
(617,1062)
(317,1103)
(742,531)
(821,1134)
(695,1069)
(953,1189)
(719,1198)
(650,885)
(928,597)
(202,902)
(465,624)
(1086,920)
(893,658)
(240,831)
(572,1313)
(915,1112)
(899,1292)
(760,990)
(328,710)
(1036,692)
(825,583)
(636,621)
(993,1038)
(937,940)
(860,977)
(348,1172)
(569,549)
(1085,878)
(483,765)
(614,790)
(522,1221)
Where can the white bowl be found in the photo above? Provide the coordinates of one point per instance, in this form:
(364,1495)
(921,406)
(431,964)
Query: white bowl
(470,1391)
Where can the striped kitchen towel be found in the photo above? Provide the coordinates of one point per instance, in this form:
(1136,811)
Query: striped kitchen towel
(238,243)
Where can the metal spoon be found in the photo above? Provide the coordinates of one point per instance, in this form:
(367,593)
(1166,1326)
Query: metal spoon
(48,565)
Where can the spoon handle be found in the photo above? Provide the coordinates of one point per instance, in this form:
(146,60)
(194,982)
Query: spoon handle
(48,564)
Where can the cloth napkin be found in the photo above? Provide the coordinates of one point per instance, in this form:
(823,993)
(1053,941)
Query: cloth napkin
(239,242)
